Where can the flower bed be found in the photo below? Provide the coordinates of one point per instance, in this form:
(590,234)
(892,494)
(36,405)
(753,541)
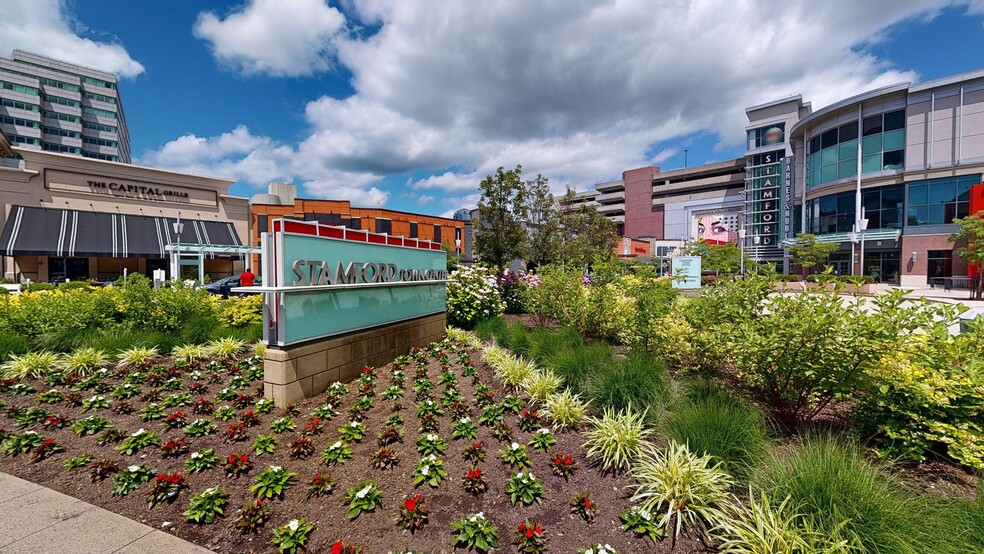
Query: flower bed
(251,480)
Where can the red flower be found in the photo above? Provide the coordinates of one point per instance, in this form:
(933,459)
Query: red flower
(232,458)
(538,529)
(522,527)
(410,505)
(478,445)
(244,459)
(478,473)
(568,460)
(529,533)
(337,548)
(587,504)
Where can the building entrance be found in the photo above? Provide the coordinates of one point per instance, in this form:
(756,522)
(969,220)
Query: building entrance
(71,269)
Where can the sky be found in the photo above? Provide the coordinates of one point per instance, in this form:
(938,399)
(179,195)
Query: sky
(409,104)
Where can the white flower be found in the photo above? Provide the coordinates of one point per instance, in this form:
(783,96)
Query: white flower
(466,419)
(31,433)
(276,468)
(432,437)
(542,431)
(133,469)
(425,470)
(195,455)
(53,390)
(338,444)
(94,398)
(210,490)
(293,525)
(362,494)
(519,475)
(138,432)
(514,446)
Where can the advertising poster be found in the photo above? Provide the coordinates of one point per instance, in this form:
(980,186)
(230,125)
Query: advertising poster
(715,227)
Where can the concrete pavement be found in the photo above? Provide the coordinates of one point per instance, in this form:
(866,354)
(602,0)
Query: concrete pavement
(38,519)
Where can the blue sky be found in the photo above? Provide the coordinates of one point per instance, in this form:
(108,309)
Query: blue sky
(409,104)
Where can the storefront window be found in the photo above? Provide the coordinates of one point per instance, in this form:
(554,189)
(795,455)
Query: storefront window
(835,213)
(939,263)
(939,201)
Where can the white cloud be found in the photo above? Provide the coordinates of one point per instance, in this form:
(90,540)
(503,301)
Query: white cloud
(45,27)
(424,199)
(258,160)
(576,90)
(274,37)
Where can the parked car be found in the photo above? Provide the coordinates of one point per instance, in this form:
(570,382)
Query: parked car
(226,284)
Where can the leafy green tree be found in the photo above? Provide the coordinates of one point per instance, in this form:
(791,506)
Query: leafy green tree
(970,245)
(724,258)
(585,234)
(542,222)
(500,236)
(809,253)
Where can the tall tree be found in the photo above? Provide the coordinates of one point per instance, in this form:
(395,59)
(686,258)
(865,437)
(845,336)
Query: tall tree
(500,236)
(542,224)
(970,246)
(585,234)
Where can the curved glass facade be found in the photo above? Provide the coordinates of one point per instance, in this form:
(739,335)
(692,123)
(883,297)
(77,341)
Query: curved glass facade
(833,154)
(835,213)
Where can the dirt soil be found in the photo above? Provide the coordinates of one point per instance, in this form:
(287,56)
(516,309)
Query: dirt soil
(375,532)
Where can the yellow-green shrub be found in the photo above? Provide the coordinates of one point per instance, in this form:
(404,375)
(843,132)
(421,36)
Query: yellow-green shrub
(238,312)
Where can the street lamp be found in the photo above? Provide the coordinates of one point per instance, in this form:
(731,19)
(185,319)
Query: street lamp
(853,237)
(175,251)
(741,249)
(862,226)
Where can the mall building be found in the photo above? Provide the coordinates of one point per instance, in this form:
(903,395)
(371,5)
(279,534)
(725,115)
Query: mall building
(281,201)
(906,157)
(64,216)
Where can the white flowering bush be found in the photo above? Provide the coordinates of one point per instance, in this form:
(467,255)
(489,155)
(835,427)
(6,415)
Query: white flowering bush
(473,295)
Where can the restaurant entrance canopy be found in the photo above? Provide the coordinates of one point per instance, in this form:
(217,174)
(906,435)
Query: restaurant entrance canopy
(31,231)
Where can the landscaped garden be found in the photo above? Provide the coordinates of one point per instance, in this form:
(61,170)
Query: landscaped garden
(605,414)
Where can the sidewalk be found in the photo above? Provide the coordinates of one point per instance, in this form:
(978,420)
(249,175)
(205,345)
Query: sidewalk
(38,519)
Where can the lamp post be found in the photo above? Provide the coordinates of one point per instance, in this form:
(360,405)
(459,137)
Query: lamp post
(853,237)
(862,226)
(175,251)
(741,249)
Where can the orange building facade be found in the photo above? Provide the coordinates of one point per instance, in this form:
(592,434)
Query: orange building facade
(449,232)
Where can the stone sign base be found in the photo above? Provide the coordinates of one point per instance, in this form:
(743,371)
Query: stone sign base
(302,371)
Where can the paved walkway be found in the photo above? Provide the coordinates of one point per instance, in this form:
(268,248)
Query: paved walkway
(38,519)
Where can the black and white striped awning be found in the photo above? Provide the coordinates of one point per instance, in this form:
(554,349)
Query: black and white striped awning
(33,231)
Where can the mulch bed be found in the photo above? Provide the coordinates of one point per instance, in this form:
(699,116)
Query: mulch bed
(375,532)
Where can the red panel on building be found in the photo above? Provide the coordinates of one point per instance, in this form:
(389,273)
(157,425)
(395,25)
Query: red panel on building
(976,206)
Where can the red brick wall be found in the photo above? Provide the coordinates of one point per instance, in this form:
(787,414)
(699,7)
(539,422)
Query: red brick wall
(641,218)
(921,245)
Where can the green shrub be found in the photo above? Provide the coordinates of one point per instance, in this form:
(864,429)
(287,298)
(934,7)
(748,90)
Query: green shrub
(616,438)
(545,343)
(926,397)
(636,380)
(837,491)
(39,287)
(730,430)
(803,351)
(11,343)
(559,296)
(73,285)
(763,528)
(690,491)
(31,364)
(565,409)
(575,363)
(488,329)
(198,328)
(83,361)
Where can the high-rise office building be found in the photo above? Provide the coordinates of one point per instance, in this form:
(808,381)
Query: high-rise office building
(46,104)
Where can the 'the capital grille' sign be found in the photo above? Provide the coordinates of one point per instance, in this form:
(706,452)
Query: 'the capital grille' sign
(141,190)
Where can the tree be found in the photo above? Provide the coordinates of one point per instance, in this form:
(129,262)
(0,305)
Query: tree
(723,258)
(585,234)
(539,212)
(970,246)
(499,233)
(809,253)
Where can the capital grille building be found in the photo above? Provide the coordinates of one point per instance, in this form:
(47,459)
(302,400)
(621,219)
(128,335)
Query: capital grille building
(890,168)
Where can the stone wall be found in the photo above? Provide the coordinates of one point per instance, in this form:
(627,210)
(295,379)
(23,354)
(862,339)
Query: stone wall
(303,371)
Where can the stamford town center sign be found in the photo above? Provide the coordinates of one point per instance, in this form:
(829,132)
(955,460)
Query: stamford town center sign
(322,281)
(308,272)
